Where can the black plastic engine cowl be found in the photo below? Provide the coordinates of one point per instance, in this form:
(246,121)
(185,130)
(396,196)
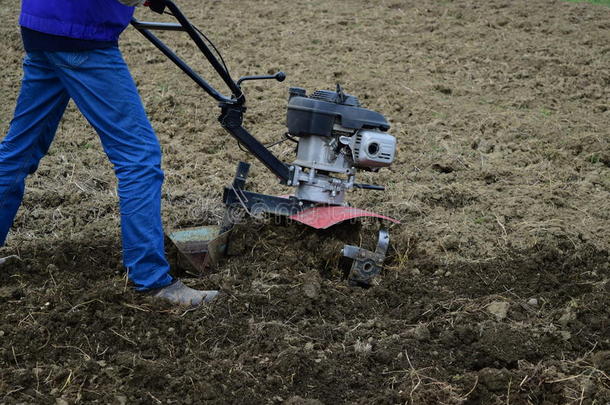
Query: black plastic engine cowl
(317,114)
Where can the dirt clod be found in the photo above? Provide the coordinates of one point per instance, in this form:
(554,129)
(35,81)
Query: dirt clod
(601,360)
(499,309)
(296,400)
(421,333)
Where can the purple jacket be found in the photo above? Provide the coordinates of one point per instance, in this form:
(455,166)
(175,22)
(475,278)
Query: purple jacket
(97,20)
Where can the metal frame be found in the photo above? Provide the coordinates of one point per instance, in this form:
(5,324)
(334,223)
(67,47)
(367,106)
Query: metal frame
(232,107)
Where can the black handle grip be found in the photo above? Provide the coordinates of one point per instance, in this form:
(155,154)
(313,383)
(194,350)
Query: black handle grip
(158,6)
(279,76)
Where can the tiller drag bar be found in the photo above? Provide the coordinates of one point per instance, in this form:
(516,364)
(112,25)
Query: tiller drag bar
(335,137)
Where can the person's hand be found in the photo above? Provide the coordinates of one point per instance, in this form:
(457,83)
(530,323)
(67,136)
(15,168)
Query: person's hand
(132,3)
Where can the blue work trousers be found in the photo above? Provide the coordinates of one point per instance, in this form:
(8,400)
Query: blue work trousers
(102,88)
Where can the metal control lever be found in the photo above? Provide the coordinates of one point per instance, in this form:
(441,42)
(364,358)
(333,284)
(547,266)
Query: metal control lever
(279,76)
(369,186)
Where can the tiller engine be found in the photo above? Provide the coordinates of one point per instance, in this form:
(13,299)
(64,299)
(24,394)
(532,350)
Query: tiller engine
(335,137)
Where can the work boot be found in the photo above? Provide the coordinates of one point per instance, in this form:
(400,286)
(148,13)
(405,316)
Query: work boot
(178,293)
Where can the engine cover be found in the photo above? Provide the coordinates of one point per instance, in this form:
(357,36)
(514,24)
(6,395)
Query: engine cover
(318,113)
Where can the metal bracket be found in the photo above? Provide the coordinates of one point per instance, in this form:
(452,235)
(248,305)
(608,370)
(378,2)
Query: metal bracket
(367,264)
(255,204)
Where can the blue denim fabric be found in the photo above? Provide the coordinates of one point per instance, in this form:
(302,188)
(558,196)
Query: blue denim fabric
(102,88)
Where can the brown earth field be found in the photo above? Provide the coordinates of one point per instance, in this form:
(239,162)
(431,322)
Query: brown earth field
(496,289)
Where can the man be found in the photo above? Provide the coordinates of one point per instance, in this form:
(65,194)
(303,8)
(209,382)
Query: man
(72,53)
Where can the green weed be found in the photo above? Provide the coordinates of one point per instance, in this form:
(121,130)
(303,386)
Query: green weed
(594,158)
(600,2)
(546,112)
(481,220)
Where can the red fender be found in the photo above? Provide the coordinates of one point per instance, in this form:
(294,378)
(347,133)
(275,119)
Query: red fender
(327,216)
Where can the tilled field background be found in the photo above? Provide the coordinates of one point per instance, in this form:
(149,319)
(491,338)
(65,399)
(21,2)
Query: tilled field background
(497,289)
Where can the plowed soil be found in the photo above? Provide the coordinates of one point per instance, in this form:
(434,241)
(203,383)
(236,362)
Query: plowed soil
(496,289)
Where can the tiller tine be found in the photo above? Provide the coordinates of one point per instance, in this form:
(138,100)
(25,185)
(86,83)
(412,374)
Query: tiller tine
(365,263)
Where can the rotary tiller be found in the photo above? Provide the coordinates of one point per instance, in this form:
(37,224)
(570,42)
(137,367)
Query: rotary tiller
(335,138)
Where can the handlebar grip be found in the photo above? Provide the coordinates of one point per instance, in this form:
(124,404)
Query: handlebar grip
(158,6)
